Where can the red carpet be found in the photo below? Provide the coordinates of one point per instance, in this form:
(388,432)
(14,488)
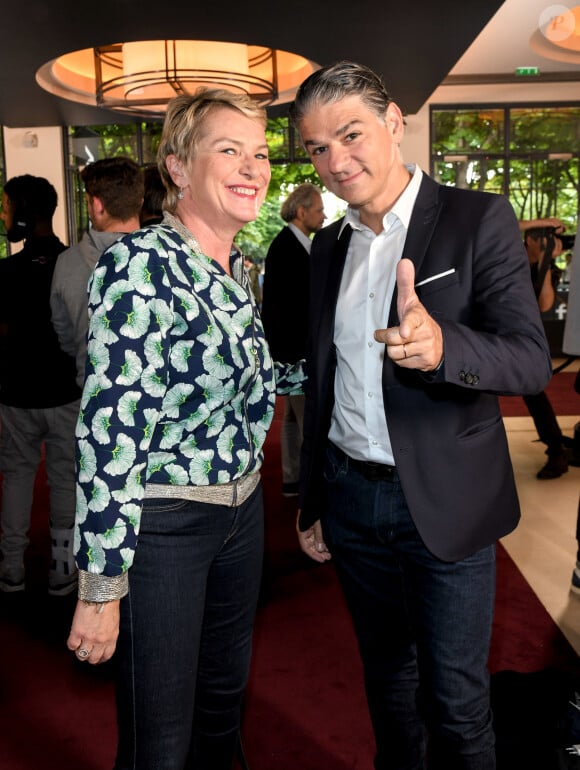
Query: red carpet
(305,707)
(560,391)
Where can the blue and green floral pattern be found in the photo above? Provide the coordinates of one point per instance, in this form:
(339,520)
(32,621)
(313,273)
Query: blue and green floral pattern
(180,386)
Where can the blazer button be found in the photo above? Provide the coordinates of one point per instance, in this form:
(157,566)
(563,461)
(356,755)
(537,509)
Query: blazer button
(462,376)
(475,379)
(469,378)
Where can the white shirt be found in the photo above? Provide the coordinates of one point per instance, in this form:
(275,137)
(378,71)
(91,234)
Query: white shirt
(358,425)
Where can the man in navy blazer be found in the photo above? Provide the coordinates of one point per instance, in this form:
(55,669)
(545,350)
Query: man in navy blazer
(421,313)
(285,310)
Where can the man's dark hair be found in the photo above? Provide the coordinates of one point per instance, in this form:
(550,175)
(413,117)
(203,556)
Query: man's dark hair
(152,208)
(535,233)
(335,82)
(33,197)
(118,183)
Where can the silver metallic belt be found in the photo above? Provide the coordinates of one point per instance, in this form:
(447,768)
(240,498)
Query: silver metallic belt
(231,494)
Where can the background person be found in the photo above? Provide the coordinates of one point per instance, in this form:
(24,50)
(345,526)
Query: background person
(542,245)
(178,398)
(154,195)
(571,338)
(571,347)
(285,310)
(114,194)
(39,398)
(406,478)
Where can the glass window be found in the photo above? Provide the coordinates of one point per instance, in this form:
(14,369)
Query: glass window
(470,173)
(284,143)
(544,187)
(86,144)
(530,154)
(467,130)
(553,129)
(134,140)
(536,167)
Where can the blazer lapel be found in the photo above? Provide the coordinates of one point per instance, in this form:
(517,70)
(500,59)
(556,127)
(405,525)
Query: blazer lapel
(337,264)
(423,220)
(336,257)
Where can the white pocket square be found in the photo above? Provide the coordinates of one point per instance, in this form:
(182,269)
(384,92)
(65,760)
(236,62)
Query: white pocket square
(435,277)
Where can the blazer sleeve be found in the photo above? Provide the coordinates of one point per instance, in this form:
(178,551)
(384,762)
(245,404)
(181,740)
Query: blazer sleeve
(494,340)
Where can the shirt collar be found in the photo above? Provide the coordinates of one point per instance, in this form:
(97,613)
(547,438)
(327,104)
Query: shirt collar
(304,239)
(402,208)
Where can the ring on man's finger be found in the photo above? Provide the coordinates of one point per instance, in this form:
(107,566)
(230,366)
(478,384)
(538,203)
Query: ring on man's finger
(82,653)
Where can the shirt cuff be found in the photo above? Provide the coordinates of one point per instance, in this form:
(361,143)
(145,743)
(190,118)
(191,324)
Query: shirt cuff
(101,588)
(436,375)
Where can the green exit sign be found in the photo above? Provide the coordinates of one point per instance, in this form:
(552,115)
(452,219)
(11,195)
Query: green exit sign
(527,71)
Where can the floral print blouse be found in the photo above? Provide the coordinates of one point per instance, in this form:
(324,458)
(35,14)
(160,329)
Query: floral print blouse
(180,386)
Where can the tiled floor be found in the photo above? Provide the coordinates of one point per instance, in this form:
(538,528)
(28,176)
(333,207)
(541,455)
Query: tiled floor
(544,544)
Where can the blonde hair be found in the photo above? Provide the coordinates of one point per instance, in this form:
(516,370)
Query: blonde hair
(183,126)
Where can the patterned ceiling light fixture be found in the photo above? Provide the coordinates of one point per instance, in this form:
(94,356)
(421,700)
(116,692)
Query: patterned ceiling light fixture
(141,77)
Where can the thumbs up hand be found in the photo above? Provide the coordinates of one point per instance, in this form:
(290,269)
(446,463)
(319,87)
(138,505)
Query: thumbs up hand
(417,343)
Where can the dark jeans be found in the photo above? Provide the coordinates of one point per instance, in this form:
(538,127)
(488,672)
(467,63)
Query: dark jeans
(423,627)
(546,422)
(186,634)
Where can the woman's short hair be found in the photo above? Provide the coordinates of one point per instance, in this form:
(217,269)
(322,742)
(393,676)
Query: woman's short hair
(337,81)
(118,183)
(182,128)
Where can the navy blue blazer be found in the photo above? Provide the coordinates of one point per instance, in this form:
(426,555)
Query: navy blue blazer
(447,433)
(285,296)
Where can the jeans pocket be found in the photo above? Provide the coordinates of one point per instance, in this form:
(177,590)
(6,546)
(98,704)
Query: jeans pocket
(164,504)
(336,464)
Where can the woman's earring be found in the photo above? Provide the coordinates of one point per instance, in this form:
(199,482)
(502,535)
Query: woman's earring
(180,194)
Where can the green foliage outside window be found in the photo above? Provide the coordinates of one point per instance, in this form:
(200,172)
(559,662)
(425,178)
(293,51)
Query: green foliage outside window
(467,130)
(86,144)
(530,154)
(554,129)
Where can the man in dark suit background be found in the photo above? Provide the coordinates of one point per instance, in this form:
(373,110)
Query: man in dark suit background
(285,310)
(406,478)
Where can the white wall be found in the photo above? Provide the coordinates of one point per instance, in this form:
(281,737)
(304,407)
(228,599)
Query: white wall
(415,146)
(45,158)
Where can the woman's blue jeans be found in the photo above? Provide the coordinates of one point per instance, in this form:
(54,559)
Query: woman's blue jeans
(423,627)
(186,634)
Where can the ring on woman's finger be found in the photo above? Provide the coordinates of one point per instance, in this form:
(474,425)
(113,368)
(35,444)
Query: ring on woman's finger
(82,653)
(404,352)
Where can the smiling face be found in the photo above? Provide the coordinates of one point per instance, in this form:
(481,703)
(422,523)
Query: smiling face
(356,152)
(227,179)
